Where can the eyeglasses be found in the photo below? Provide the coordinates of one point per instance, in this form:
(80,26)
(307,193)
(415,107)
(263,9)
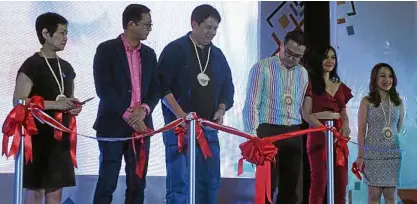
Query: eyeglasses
(290,53)
(147,25)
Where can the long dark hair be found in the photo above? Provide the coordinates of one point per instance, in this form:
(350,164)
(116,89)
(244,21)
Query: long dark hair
(315,63)
(374,96)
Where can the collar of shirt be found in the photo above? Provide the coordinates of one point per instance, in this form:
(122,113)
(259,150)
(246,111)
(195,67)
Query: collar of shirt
(128,47)
(281,65)
(192,44)
(203,50)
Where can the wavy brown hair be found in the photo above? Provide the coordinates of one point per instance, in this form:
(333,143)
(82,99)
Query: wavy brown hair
(374,96)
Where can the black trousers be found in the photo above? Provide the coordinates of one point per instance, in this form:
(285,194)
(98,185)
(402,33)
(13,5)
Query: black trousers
(286,173)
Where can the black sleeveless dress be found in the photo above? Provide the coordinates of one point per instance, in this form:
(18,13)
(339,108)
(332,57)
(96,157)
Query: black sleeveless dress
(52,166)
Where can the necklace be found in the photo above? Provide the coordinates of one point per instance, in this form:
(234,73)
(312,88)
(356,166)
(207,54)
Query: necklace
(387,130)
(202,78)
(60,85)
(288,100)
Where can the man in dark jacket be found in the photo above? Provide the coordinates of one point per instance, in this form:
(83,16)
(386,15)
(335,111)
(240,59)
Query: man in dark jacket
(195,77)
(126,82)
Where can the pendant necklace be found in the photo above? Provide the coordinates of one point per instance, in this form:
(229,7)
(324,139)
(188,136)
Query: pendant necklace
(202,78)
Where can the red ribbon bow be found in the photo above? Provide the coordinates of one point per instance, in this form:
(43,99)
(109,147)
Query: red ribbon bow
(261,153)
(180,132)
(36,105)
(341,151)
(341,148)
(20,116)
(201,138)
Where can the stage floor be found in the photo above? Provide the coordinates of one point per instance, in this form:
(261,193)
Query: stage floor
(232,190)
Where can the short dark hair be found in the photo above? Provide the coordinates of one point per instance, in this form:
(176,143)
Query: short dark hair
(297,36)
(133,12)
(203,12)
(50,22)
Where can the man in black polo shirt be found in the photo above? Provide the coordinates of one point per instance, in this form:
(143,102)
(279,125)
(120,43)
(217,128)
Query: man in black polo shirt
(201,96)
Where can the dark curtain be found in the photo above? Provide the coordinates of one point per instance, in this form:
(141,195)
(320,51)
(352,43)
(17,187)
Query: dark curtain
(317,31)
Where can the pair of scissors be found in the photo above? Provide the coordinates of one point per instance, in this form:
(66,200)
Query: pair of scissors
(79,104)
(84,102)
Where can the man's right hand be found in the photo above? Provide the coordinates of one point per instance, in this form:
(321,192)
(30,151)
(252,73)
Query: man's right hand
(174,107)
(182,114)
(137,114)
(139,127)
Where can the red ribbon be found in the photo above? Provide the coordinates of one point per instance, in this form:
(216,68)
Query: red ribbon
(356,171)
(20,117)
(226,129)
(141,160)
(72,135)
(262,177)
(59,128)
(73,140)
(342,150)
(200,137)
(341,147)
(257,151)
(180,132)
(12,127)
(58,133)
(262,154)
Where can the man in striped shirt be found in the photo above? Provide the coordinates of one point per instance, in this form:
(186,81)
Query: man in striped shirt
(274,98)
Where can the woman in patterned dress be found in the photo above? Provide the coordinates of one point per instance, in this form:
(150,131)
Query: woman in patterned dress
(380,119)
(326,99)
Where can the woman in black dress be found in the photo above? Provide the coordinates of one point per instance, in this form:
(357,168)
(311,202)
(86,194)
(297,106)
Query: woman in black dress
(45,74)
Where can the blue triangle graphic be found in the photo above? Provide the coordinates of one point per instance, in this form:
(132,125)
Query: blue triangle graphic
(68,201)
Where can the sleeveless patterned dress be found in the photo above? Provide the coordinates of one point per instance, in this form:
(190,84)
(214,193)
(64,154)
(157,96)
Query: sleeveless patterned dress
(382,167)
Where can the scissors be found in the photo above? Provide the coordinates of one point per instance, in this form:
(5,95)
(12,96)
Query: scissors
(84,102)
(79,104)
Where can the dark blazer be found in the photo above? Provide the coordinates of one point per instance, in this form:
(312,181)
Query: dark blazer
(175,78)
(114,87)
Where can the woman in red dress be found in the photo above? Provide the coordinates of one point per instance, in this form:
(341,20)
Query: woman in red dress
(326,99)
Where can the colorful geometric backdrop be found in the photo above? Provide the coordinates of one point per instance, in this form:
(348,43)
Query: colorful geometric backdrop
(286,13)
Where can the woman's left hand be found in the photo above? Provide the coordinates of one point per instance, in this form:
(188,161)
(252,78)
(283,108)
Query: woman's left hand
(345,130)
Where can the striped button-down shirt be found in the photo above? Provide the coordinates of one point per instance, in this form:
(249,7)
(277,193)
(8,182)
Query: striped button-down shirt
(268,82)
